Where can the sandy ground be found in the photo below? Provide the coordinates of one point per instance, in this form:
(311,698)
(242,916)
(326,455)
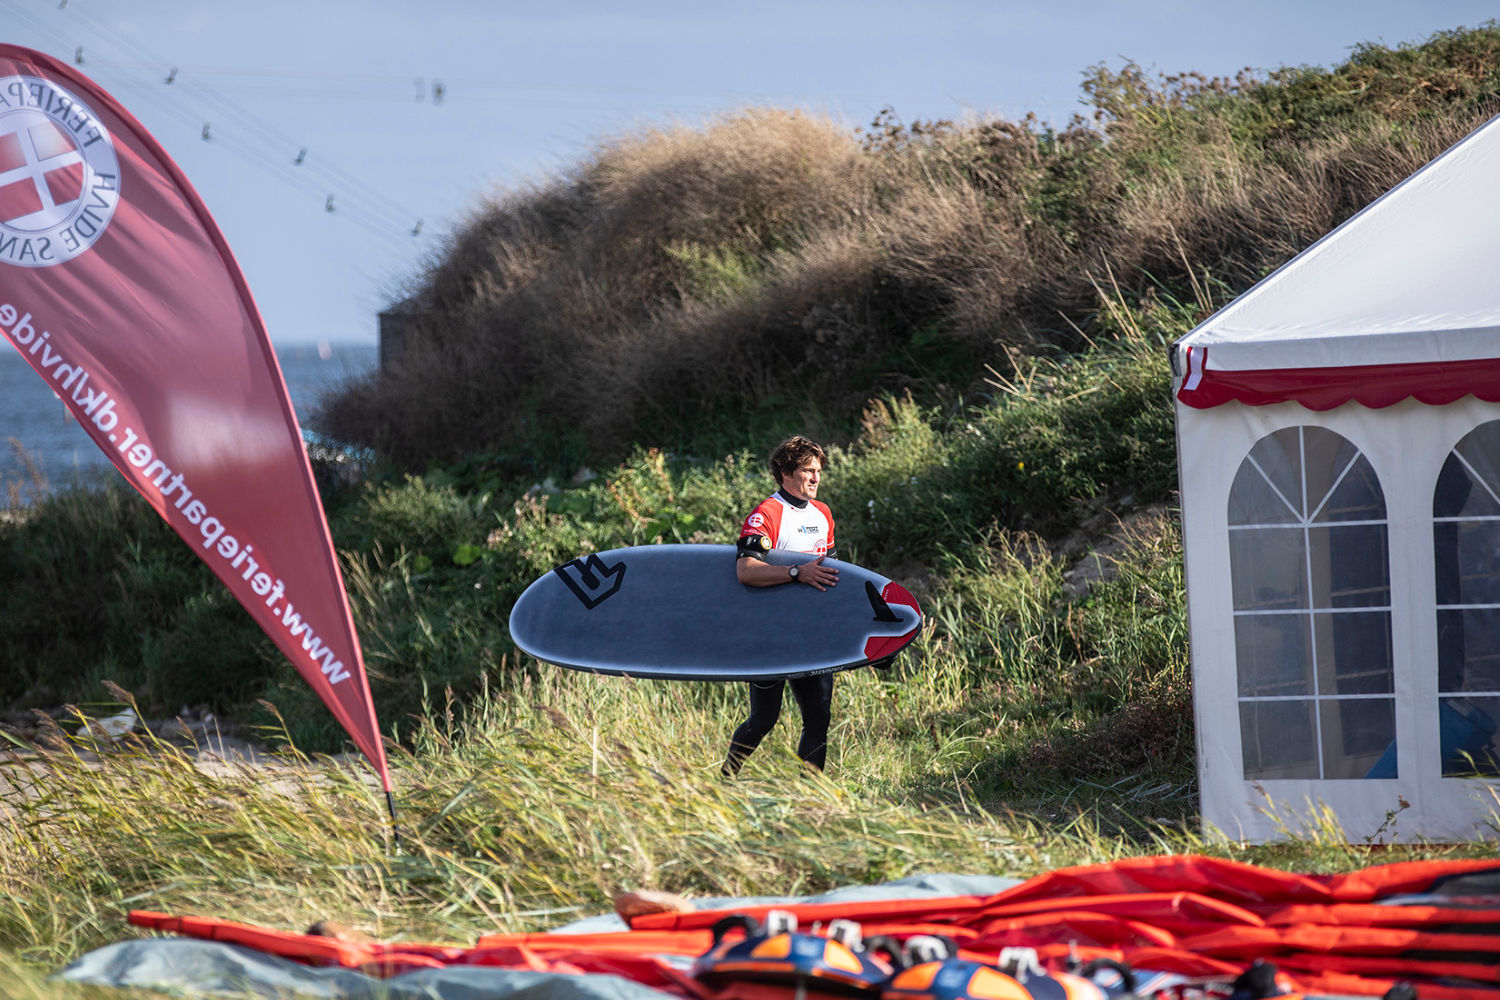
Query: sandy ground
(25,741)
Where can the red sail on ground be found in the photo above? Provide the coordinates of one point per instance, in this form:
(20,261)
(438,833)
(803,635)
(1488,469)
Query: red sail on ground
(118,289)
(1430,924)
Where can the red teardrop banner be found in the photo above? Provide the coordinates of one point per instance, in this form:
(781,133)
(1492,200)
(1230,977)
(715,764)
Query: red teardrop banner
(118,289)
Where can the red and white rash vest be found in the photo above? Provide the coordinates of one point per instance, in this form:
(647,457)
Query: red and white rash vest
(805,528)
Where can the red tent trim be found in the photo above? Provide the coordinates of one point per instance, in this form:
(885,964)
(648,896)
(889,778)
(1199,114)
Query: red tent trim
(1375,386)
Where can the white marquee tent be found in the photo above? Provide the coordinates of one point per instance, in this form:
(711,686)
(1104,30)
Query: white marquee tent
(1338,434)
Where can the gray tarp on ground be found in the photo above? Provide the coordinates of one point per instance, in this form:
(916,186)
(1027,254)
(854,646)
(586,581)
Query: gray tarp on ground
(189,967)
(192,968)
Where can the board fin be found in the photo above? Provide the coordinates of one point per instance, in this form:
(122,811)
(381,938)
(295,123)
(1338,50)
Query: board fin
(883,612)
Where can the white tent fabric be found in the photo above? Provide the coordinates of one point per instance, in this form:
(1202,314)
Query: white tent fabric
(1406,446)
(1340,645)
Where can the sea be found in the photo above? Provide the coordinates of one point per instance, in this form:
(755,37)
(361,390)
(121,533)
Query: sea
(36,429)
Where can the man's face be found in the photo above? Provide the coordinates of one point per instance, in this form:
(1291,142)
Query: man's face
(802,482)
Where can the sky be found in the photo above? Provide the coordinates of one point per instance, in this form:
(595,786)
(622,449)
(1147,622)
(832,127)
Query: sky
(338,143)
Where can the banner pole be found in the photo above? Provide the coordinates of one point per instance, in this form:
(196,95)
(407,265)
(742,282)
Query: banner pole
(390,803)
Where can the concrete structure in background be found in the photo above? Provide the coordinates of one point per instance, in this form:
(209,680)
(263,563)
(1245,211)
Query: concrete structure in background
(397,327)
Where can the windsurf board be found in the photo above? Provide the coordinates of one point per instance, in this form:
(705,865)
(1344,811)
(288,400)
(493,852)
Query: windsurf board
(678,612)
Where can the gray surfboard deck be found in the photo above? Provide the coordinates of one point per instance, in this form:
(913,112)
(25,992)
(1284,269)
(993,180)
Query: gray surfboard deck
(677,612)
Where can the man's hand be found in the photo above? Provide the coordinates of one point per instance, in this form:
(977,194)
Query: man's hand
(816,574)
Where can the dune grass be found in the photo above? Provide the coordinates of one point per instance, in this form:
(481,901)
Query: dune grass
(1035,725)
(524,812)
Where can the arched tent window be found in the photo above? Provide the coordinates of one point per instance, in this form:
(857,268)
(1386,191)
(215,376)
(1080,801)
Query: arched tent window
(1466,555)
(1312,617)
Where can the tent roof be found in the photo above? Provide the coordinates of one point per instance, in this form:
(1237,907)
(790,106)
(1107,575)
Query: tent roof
(1401,300)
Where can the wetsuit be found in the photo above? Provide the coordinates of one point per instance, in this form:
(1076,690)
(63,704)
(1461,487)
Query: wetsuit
(786,522)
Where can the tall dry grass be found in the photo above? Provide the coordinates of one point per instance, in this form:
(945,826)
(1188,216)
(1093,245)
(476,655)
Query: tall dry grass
(25,489)
(775,268)
(585,305)
(525,812)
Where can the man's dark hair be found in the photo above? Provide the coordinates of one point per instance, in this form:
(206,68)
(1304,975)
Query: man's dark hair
(790,455)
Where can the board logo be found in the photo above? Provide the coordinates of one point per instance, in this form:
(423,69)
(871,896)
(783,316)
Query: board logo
(59,174)
(591,580)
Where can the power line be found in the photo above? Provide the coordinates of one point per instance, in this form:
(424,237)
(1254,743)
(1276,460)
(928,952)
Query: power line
(258,128)
(224,123)
(396,88)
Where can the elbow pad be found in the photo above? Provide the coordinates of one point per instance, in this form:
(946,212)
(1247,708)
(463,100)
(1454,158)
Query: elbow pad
(754,546)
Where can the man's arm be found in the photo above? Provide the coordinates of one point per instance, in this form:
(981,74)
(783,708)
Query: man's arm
(754,572)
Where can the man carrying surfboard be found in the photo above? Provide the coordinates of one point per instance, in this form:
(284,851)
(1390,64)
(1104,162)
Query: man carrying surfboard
(793,519)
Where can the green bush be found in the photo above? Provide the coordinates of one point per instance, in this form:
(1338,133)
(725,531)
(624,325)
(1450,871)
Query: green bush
(96,577)
(434,563)
(1064,438)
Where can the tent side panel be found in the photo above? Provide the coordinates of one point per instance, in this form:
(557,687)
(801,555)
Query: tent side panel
(1406,445)
(1205,468)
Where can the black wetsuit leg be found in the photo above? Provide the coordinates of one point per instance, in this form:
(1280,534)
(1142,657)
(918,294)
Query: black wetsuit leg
(765,709)
(815,698)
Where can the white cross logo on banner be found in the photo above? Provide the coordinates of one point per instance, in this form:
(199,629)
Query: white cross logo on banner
(41,172)
(59,174)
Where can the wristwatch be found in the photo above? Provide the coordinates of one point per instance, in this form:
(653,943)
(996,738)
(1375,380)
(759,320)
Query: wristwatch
(792,570)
